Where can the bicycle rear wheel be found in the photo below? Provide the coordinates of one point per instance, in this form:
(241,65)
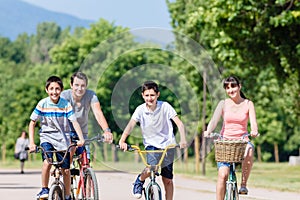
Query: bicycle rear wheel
(90,185)
(154,193)
(56,193)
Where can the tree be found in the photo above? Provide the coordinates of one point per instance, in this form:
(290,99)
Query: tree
(249,39)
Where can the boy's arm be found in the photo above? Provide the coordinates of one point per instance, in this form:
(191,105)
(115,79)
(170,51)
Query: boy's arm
(32,145)
(79,133)
(96,107)
(179,124)
(126,133)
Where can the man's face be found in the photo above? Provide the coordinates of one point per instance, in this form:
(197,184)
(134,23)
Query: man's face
(78,87)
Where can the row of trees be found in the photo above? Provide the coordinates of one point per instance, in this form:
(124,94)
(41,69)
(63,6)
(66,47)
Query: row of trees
(256,41)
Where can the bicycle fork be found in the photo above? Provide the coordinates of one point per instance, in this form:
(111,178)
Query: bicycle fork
(153,190)
(231,185)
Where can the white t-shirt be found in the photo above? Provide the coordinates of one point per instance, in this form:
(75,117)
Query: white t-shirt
(157,128)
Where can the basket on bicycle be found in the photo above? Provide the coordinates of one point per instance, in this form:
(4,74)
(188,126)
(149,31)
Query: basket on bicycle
(230,150)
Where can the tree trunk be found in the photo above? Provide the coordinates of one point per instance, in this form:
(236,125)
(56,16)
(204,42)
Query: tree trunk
(204,125)
(197,155)
(259,153)
(3,152)
(276,153)
(114,152)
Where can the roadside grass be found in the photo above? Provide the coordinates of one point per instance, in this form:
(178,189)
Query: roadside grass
(277,176)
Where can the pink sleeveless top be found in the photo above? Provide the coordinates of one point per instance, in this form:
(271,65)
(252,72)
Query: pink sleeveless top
(235,120)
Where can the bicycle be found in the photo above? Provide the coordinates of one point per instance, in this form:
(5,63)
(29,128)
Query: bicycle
(153,190)
(87,186)
(57,188)
(231,151)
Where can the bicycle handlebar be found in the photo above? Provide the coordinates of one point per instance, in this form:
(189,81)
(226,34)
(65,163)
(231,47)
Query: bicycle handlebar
(40,148)
(221,136)
(142,153)
(98,138)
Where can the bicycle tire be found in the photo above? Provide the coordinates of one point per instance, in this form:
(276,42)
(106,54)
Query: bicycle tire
(56,193)
(91,185)
(236,193)
(229,192)
(73,187)
(154,193)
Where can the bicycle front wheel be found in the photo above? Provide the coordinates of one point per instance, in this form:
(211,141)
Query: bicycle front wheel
(229,192)
(90,185)
(154,193)
(55,193)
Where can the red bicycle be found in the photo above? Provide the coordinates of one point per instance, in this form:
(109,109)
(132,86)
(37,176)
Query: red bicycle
(84,185)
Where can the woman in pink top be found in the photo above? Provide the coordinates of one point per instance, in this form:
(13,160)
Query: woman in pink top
(235,111)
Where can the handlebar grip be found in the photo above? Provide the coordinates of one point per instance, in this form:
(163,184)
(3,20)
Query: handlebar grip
(129,148)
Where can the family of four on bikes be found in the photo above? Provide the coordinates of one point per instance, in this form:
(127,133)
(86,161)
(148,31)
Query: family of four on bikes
(65,112)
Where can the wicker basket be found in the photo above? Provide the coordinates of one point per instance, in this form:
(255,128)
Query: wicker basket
(230,150)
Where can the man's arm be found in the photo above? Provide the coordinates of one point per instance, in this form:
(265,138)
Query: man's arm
(96,108)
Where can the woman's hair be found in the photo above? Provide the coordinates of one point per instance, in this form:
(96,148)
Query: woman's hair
(55,79)
(79,75)
(234,82)
(148,85)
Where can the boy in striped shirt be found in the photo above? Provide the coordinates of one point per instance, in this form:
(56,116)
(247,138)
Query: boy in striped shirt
(54,114)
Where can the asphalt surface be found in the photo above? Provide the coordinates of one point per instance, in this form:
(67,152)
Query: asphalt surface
(118,185)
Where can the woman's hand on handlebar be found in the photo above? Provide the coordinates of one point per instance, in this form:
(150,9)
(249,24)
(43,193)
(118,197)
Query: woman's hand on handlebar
(254,134)
(206,134)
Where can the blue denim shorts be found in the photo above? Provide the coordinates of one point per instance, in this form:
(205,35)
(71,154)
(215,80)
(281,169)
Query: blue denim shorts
(226,164)
(167,164)
(49,147)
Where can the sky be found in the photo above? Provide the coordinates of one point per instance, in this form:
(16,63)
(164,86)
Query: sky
(129,13)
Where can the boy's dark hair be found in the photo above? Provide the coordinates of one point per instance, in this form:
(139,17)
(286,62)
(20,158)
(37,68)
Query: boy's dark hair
(79,75)
(150,85)
(55,79)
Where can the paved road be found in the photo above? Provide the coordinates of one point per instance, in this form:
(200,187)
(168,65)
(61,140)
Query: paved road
(116,185)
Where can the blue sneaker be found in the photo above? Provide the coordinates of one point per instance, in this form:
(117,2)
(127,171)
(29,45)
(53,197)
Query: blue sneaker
(43,193)
(138,188)
(68,198)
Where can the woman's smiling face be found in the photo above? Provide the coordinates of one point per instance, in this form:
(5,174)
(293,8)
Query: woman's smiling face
(233,90)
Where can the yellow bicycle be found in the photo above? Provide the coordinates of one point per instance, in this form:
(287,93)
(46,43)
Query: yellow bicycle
(152,191)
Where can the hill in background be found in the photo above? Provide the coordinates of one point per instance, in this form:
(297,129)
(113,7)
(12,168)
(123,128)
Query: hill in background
(17,17)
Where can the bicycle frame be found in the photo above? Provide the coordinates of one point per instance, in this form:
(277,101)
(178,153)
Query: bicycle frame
(57,186)
(85,169)
(153,187)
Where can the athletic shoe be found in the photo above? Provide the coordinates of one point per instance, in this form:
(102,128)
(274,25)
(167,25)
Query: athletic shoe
(243,190)
(43,193)
(138,188)
(69,198)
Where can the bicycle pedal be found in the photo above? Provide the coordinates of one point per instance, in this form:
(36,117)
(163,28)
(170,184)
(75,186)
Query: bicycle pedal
(74,172)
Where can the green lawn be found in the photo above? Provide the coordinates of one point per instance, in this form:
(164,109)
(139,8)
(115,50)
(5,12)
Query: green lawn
(264,175)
